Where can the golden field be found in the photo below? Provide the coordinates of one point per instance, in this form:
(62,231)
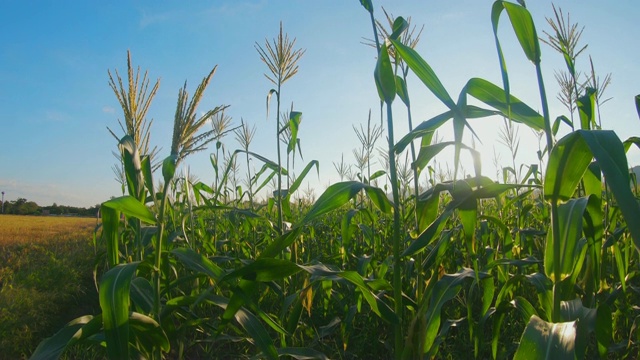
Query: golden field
(46,278)
(35,229)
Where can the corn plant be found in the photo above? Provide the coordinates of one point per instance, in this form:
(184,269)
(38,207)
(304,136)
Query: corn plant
(282,60)
(539,265)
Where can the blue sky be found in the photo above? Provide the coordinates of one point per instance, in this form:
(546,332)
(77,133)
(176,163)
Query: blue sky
(55,102)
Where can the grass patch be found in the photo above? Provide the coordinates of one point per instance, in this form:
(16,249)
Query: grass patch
(45,278)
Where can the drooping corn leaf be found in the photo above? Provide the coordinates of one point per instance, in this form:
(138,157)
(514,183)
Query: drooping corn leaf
(445,289)
(147,334)
(250,323)
(496,97)
(569,160)
(524,308)
(197,262)
(426,128)
(130,206)
(377,305)
(542,340)
(263,270)
(524,29)
(142,294)
(53,347)
(296,184)
(424,72)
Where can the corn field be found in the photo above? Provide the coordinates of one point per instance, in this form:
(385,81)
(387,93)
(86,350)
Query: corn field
(542,265)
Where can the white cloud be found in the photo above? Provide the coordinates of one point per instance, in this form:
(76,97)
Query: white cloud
(108,110)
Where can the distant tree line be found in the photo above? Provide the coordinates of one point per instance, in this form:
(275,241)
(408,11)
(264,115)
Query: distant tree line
(22,206)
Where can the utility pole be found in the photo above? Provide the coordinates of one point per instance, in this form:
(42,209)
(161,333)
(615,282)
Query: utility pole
(3,202)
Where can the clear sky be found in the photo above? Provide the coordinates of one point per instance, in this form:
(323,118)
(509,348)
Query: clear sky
(56,105)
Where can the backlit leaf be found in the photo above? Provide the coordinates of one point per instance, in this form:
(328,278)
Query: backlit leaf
(547,341)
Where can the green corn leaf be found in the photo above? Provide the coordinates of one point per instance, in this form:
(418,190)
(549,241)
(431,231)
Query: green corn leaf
(524,308)
(169,167)
(548,341)
(258,333)
(495,97)
(347,228)
(556,124)
(334,197)
(637,98)
(525,30)
(426,212)
(383,74)
(544,288)
(296,184)
(270,164)
(604,329)
(132,166)
(281,243)
(295,117)
(142,294)
(586,109)
(426,128)
(569,160)
(147,333)
(401,88)
(114,302)
(377,305)
(367,5)
(567,163)
(427,236)
(496,10)
(110,233)
(302,353)
(379,199)
(399,26)
(587,322)
(263,270)
(620,265)
(468,212)
(570,215)
(198,262)
(445,289)
(424,72)
(131,207)
(241,295)
(148,175)
(53,347)
(214,163)
(634,140)
(377,174)
(251,324)
(427,153)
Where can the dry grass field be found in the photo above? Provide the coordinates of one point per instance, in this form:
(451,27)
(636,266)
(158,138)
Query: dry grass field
(37,229)
(46,266)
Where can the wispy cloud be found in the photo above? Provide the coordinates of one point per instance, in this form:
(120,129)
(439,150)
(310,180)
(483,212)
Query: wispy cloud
(157,18)
(56,116)
(198,15)
(108,110)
